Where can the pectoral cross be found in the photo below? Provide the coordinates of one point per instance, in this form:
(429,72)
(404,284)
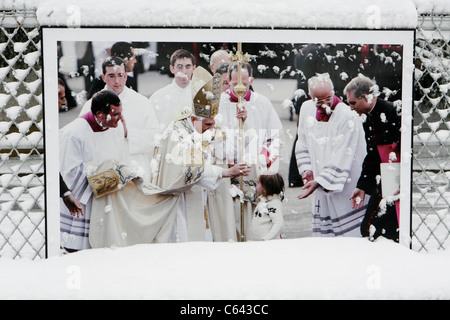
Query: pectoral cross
(317,205)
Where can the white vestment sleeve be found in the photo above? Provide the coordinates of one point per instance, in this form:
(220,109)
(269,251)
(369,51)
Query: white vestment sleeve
(72,163)
(301,148)
(336,170)
(211,177)
(142,140)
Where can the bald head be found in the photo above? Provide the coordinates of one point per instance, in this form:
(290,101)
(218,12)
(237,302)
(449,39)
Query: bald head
(319,83)
(217,58)
(321,89)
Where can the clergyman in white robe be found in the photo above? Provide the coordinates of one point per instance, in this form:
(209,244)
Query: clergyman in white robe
(170,102)
(142,126)
(261,128)
(263,133)
(334,151)
(79,144)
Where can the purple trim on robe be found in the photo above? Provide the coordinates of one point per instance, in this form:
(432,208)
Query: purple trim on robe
(89,117)
(234,98)
(321,113)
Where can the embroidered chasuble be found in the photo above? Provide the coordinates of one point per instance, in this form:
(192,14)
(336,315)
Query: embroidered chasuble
(170,206)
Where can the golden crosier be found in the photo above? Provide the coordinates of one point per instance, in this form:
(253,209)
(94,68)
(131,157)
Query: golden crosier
(240,91)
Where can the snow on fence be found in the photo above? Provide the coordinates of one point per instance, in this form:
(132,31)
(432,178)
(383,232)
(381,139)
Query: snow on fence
(22,217)
(431,155)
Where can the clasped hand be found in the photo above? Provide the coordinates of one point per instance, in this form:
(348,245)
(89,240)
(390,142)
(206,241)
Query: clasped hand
(241,112)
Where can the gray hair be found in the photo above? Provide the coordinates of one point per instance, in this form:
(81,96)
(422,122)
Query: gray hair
(361,85)
(217,54)
(319,78)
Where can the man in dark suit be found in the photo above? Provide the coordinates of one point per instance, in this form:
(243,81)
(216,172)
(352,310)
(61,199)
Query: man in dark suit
(382,129)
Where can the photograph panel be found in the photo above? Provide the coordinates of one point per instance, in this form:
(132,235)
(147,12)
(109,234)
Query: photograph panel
(281,63)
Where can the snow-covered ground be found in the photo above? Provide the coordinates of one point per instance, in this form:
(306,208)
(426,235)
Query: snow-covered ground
(307,268)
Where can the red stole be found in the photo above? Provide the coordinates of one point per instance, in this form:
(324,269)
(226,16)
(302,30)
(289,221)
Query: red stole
(234,98)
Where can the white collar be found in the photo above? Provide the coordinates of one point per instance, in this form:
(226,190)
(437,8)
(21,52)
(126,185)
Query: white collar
(177,87)
(124,90)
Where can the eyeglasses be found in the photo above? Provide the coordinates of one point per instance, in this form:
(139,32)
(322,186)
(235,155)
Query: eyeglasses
(326,100)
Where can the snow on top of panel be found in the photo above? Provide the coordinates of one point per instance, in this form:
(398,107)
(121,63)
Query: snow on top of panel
(432,6)
(379,14)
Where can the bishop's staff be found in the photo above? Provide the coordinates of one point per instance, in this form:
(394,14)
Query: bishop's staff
(240,91)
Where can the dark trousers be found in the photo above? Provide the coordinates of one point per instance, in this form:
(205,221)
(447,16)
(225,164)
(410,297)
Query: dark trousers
(295,179)
(385,225)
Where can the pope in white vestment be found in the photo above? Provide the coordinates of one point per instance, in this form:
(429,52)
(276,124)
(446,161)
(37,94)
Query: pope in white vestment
(187,196)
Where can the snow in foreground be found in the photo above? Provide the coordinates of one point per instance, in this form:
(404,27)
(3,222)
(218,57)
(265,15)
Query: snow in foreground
(307,268)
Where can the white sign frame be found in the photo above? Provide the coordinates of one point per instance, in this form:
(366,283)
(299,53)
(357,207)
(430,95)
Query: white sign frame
(51,35)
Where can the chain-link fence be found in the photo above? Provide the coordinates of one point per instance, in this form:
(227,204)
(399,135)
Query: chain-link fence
(22,218)
(431,155)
